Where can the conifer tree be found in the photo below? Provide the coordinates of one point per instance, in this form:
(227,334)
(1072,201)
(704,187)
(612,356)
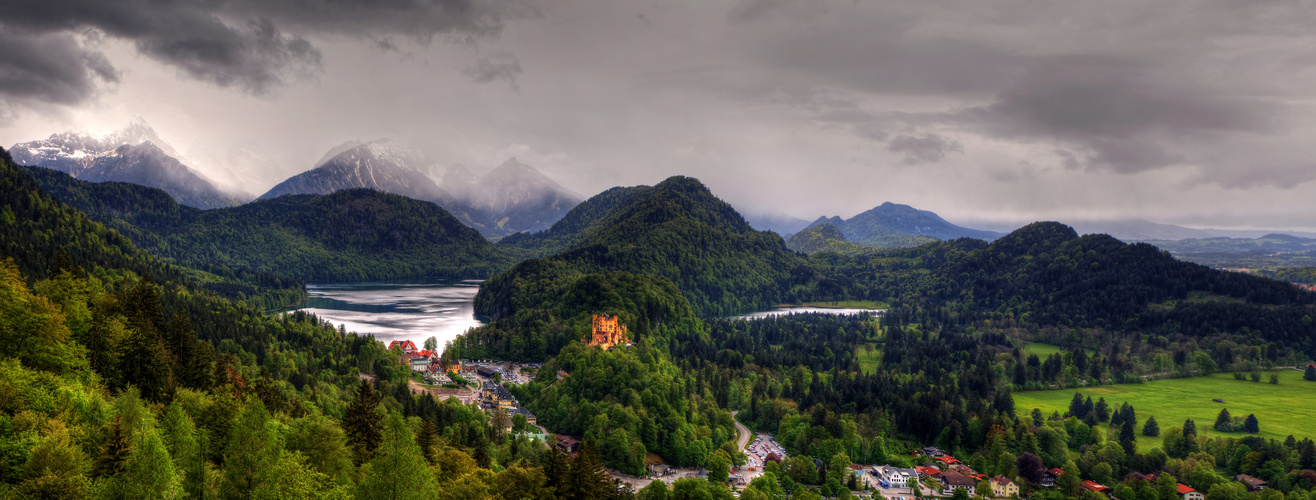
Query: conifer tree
(149,473)
(1310,374)
(398,471)
(1250,424)
(251,452)
(180,438)
(363,423)
(1150,428)
(426,439)
(1224,422)
(585,478)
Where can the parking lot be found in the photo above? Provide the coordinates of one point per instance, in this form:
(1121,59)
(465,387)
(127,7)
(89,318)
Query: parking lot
(760,448)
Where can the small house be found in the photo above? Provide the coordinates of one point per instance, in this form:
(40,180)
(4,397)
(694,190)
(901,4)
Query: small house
(1188,493)
(1091,486)
(951,481)
(567,444)
(1252,483)
(1003,487)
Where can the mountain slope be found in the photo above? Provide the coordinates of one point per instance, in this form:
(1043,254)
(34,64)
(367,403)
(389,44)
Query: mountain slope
(135,154)
(676,229)
(1046,274)
(350,235)
(826,238)
(375,165)
(511,198)
(893,226)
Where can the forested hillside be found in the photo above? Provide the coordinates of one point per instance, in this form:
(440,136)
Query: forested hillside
(1045,274)
(676,229)
(350,235)
(123,379)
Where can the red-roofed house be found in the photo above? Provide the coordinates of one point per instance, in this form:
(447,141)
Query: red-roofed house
(1091,486)
(1188,493)
(927,471)
(407,345)
(948,459)
(1049,477)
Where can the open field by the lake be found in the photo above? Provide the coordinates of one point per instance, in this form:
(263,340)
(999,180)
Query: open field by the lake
(1283,409)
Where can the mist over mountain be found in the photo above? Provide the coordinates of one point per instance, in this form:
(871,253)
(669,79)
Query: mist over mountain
(777,222)
(892,225)
(377,165)
(512,198)
(135,154)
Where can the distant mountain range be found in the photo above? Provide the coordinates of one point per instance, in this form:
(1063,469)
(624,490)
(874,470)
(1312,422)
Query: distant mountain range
(892,225)
(135,154)
(348,235)
(512,198)
(1145,230)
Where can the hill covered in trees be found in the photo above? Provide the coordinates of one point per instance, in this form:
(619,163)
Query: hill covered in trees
(123,378)
(676,229)
(350,235)
(826,238)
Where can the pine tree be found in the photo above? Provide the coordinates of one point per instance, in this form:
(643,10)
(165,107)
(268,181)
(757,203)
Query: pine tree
(1103,410)
(1189,427)
(398,470)
(556,466)
(149,473)
(1250,424)
(1128,439)
(426,439)
(115,450)
(1150,428)
(1076,406)
(585,477)
(363,423)
(1224,422)
(180,438)
(1087,406)
(251,452)
(1310,374)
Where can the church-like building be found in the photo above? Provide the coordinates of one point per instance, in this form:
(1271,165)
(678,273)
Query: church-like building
(608,332)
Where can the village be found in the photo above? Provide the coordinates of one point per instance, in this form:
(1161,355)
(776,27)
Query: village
(484,383)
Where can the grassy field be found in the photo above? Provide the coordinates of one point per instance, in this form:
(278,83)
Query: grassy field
(1044,350)
(869,363)
(1281,409)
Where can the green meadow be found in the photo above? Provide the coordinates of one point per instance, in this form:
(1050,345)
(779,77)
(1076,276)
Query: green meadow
(1045,350)
(1281,410)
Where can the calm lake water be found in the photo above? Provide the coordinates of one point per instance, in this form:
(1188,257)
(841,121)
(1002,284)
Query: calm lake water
(397,310)
(779,311)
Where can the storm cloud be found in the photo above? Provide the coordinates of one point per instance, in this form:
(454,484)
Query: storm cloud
(239,44)
(1176,110)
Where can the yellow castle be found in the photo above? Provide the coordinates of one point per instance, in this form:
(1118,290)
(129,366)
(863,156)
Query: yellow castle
(608,332)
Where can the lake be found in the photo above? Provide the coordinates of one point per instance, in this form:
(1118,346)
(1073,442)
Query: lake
(780,311)
(412,310)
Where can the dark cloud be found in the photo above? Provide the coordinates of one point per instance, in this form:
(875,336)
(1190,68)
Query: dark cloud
(496,66)
(239,44)
(1117,115)
(51,67)
(927,148)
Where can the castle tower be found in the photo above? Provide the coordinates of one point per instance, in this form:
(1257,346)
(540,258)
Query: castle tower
(607,331)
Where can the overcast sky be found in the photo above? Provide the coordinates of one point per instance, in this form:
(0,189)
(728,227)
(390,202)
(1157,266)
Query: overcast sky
(1197,113)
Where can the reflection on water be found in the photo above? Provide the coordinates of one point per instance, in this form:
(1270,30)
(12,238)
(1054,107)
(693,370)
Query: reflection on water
(397,310)
(779,311)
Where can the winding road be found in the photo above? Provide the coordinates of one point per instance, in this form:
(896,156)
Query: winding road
(743,442)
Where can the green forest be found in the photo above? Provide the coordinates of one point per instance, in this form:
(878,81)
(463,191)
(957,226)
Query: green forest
(139,360)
